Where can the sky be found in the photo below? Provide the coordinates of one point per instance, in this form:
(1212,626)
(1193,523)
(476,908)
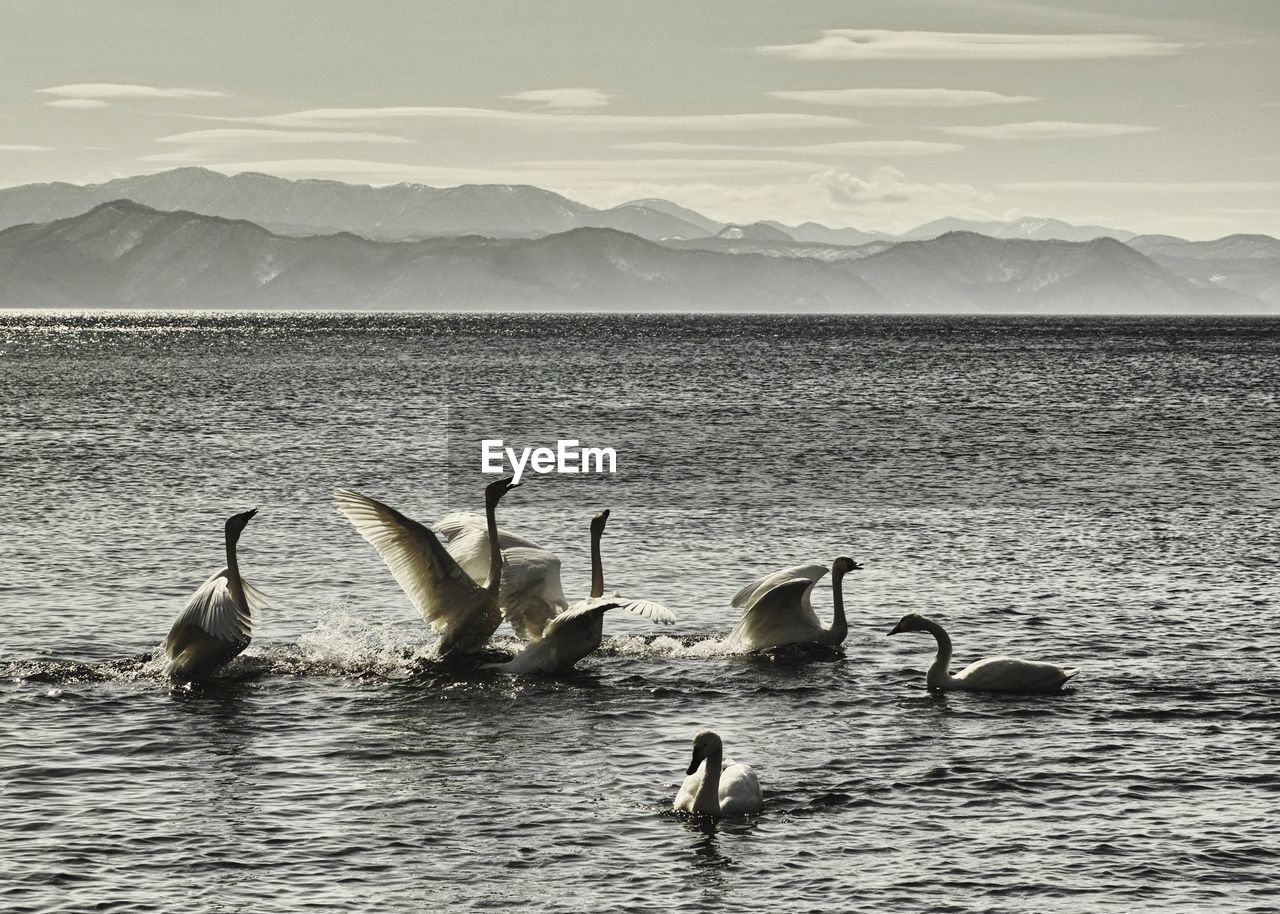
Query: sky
(1147,115)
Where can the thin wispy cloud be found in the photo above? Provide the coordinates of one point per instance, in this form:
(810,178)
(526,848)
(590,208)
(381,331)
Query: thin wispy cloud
(77,104)
(1146,187)
(902,98)
(24,148)
(887,44)
(108,92)
(570,99)
(235,136)
(322,118)
(848,148)
(1046,130)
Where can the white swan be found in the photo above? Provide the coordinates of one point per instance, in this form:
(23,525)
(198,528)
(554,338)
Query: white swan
(995,674)
(778,610)
(217,622)
(531,593)
(579,630)
(717,786)
(465,614)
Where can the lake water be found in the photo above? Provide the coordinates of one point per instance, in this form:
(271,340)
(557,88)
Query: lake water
(1102,493)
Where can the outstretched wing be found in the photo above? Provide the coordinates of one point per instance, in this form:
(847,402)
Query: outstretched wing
(747,596)
(445,595)
(531,591)
(214,610)
(781,615)
(599,605)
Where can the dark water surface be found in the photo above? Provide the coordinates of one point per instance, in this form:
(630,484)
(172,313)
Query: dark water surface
(1099,493)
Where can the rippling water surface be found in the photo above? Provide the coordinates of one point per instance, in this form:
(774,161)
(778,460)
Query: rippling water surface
(1100,493)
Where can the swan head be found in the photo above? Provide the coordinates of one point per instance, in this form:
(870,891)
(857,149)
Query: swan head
(495,490)
(706,743)
(911,622)
(598,522)
(843,565)
(237,522)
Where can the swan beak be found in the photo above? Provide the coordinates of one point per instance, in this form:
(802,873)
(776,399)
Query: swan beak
(897,629)
(697,760)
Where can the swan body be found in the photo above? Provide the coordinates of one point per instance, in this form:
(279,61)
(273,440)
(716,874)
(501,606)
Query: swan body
(578,631)
(778,609)
(995,674)
(217,622)
(465,613)
(531,594)
(715,785)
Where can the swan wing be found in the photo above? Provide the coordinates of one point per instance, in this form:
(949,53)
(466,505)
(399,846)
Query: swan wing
(531,591)
(747,596)
(459,523)
(779,616)
(599,605)
(1012,674)
(740,793)
(430,577)
(214,610)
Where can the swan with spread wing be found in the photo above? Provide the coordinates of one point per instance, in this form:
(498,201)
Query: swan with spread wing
(217,622)
(531,594)
(778,609)
(465,613)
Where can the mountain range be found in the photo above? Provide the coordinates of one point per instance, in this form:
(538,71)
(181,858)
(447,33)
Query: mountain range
(402,212)
(126,254)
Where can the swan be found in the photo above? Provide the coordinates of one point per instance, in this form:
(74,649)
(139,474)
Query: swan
(778,611)
(995,674)
(578,631)
(217,622)
(531,593)
(464,613)
(717,786)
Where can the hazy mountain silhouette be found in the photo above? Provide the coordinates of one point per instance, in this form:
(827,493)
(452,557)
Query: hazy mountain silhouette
(125,254)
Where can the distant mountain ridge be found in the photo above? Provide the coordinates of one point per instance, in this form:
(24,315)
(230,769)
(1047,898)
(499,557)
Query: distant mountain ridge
(416,211)
(125,254)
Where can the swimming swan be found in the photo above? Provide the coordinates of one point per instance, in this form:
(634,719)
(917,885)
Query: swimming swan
(464,613)
(217,622)
(579,630)
(531,594)
(995,674)
(717,786)
(778,611)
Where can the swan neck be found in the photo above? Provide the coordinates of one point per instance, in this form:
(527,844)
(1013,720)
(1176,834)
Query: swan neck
(232,537)
(495,548)
(597,567)
(839,625)
(708,798)
(939,673)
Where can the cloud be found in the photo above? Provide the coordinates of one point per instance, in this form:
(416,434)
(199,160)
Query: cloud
(848,148)
(107,92)
(233,136)
(77,104)
(562,99)
(349,117)
(1046,130)
(902,98)
(889,185)
(886,44)
(1147,187)
(23,148)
